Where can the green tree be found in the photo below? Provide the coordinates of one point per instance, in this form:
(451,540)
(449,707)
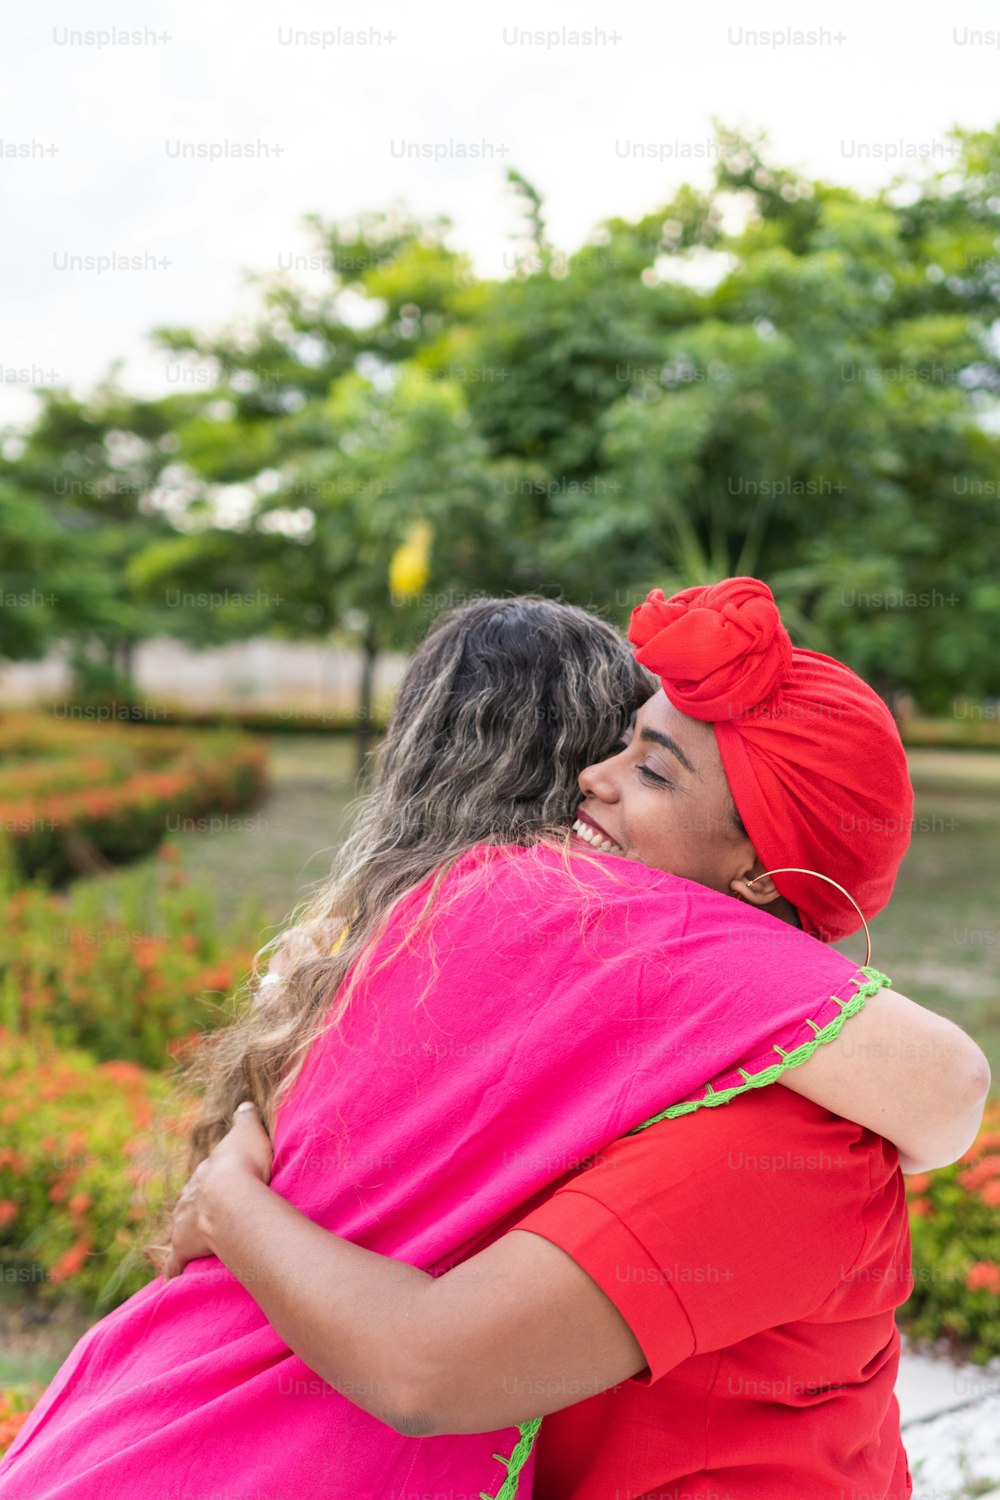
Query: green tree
(81,499)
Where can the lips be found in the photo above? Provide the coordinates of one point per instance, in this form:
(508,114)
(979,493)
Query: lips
(593,834)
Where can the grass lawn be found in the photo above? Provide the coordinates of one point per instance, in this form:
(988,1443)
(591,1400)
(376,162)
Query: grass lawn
(278,851)
(939,938)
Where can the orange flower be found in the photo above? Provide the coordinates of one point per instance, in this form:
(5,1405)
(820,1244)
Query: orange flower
(169,853)
(990,1193)
(122,1071)
(920,1208)
(980,1171)
(219,978)
(985,1274)
(146,954)
(70,1262)
(79,1203)
(10,1426)
(918,1183)
(8,1210)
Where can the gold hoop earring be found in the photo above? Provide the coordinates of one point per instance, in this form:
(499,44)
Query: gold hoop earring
(795,870)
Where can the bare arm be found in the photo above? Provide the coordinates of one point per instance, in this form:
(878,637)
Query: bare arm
(903,1071)
(516,1332)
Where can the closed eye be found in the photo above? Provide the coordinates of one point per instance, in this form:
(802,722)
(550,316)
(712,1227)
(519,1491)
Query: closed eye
(652,778)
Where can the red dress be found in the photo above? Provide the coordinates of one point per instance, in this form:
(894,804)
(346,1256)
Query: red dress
(758,1253)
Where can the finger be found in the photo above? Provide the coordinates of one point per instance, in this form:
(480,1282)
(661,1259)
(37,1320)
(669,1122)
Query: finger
(249,1111)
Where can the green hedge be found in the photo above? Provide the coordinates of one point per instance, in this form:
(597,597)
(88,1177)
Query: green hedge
(961,732)
(337,721)
(70,824)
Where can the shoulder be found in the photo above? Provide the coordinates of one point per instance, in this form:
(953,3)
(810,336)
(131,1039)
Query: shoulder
(766,1117)
(743,1216)
(769,1146)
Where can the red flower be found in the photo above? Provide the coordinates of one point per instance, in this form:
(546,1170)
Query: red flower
(10,1426)
(8,1210)
(122,1071)
(981,1170)
(147,953)
(70,1262)
(985,1274)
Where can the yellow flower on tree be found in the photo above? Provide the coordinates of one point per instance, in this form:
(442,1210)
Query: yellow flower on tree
(410,566)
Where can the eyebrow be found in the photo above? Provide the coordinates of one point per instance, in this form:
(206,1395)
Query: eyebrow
(653,736)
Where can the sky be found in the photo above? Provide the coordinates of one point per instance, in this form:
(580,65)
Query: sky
(130,200)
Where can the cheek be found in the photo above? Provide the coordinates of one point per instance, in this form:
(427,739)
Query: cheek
(661,832)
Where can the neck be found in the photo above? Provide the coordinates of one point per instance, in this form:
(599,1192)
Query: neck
(785,912)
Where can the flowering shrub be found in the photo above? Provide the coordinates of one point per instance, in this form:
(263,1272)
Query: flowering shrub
(78,1177)
(134,984)
(955,1229)
(115,807)
(333,719)
(15,1404)
(63,773)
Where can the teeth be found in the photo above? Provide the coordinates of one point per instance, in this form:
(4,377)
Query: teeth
(594,839)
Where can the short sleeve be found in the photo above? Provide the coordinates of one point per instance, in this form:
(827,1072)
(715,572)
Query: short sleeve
(603,1246)
(709,1228)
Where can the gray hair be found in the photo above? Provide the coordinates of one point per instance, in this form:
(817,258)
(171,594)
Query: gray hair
(501,708)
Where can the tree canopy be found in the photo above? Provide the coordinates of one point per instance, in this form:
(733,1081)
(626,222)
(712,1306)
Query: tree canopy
(773,375)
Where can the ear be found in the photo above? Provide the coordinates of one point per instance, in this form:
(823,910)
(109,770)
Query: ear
(761,893)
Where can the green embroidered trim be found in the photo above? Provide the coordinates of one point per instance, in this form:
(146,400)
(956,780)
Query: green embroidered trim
(516,1462)
(713,1097)
(875,981)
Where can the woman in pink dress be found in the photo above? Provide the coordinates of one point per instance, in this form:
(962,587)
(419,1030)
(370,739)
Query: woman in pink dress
(505,1004)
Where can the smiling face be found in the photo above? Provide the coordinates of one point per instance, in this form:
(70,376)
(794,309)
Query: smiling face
(663,799)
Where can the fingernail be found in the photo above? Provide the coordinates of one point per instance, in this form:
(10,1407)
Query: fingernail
(247,1104)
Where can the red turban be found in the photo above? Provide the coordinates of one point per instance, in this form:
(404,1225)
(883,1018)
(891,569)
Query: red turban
(812,755)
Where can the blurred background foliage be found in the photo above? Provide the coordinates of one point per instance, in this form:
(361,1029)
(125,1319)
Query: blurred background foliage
(774,375)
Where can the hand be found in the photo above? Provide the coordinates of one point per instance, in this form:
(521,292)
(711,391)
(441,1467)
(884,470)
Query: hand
(310,940)
(247,1150)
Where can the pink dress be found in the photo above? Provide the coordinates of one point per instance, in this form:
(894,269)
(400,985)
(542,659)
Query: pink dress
(559,1006)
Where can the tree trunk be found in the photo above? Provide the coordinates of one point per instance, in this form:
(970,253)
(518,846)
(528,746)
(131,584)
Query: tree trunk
(125,659)
(369,648)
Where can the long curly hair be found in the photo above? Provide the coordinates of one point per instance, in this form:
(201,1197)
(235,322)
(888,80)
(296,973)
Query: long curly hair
(501,707)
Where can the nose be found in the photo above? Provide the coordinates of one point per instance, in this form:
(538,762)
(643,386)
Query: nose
(600,780)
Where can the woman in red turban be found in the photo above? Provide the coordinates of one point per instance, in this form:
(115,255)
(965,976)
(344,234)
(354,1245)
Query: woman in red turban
(810,753)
